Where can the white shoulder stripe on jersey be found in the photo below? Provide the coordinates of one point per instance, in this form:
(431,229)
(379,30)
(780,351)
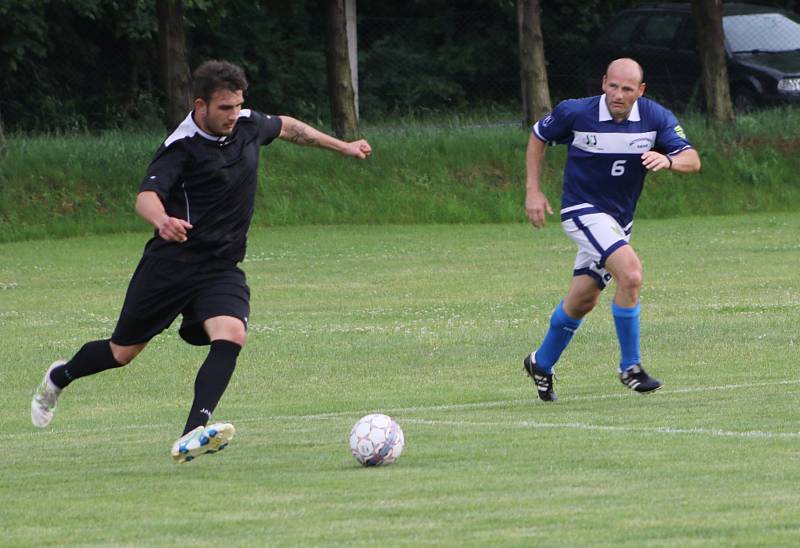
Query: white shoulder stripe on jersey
(614,143)
(188,128)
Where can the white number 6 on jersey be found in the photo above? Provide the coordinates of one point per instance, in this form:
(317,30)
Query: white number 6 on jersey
(618,168)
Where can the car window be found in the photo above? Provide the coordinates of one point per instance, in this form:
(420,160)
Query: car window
(659,30)
(687,36)
(621,31)
(761,32)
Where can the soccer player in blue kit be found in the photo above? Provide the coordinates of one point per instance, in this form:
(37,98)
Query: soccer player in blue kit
(199,195)
(613,141)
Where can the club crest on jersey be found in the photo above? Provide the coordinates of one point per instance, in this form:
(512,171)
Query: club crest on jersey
(591,140)
(547,120)
(680,132)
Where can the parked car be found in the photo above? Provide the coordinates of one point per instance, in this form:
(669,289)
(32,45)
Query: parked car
(762,45)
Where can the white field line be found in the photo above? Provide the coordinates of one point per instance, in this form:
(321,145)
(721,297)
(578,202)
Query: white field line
(396,411)
(601,427)
(534,400)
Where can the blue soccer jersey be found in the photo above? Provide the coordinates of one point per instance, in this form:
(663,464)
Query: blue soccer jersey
(604,169)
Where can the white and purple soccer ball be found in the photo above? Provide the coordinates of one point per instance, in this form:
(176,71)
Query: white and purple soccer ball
(376,439)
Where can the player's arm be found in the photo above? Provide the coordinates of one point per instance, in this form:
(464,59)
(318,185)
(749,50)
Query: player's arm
(301,133)
(686,161)
(536,204)
(150,208)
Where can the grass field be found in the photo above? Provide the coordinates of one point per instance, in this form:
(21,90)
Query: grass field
(428,324)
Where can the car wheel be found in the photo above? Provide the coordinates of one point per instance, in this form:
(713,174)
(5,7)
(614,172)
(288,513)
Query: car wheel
(744,99)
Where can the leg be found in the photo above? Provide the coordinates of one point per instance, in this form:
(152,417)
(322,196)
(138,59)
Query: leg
(566,318)
(626,268)
(92,358)
(227,335)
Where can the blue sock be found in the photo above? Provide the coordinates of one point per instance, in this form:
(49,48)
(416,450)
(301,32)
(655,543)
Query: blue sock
(627,322)
(562,328)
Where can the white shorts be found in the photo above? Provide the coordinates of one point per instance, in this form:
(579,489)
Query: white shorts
(597,236)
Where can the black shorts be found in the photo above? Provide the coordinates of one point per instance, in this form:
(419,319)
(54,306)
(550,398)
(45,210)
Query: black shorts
(161,289)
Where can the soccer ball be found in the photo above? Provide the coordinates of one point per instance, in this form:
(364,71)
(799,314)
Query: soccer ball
(376,439)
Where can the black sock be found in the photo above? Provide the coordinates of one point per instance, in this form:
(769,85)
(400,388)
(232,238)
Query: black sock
(212,380)
(92,358)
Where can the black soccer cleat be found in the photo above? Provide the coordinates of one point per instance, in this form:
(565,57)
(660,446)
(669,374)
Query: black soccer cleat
(542,380)
(636,379)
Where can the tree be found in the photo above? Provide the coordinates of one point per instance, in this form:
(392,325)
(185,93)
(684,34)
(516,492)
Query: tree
(340,81)
(532,64)
(711,47)
(176,78)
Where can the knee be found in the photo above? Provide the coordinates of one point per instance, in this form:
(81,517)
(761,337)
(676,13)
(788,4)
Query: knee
(236,336)
(580,307)
(124,355)
(226,328)
(239,338)
(631,280)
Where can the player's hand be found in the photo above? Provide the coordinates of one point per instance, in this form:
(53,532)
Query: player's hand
(358,149)
(655,161)
(536,205)
(174,230)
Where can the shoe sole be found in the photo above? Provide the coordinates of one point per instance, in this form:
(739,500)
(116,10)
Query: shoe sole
(216,439)
(656,389)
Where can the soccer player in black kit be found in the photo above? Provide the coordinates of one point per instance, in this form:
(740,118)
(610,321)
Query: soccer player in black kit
(199,194)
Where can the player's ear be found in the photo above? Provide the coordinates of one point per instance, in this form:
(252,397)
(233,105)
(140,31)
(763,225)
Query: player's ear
(641,89)
(200,106)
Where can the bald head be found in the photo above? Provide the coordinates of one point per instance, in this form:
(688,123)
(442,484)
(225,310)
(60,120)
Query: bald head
(625,68)
(623,85)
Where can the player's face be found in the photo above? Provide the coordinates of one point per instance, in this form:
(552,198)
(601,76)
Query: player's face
(622,87)
(218,116)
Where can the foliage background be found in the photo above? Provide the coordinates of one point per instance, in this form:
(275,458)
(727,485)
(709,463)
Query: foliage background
(92,64)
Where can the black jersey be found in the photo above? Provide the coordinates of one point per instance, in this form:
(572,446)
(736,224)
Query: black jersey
(210,182)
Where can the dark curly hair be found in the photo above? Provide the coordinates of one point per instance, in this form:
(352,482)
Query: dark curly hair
(214,75)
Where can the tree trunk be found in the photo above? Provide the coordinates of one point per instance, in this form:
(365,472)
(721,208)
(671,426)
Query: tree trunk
(176,78)
(711,48)
(340,82)
(532,64)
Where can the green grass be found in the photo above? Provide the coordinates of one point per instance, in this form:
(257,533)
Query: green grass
(428,324)
(454,172)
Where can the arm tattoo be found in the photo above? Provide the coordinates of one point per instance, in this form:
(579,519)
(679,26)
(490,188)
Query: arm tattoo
(299,136)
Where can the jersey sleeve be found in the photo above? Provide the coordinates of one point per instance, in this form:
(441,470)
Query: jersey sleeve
(165,169)
(269,127)
(556,127)
(670,137)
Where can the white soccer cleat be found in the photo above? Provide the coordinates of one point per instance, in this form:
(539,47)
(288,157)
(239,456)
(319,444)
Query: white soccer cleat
(43,404)
(202,440)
